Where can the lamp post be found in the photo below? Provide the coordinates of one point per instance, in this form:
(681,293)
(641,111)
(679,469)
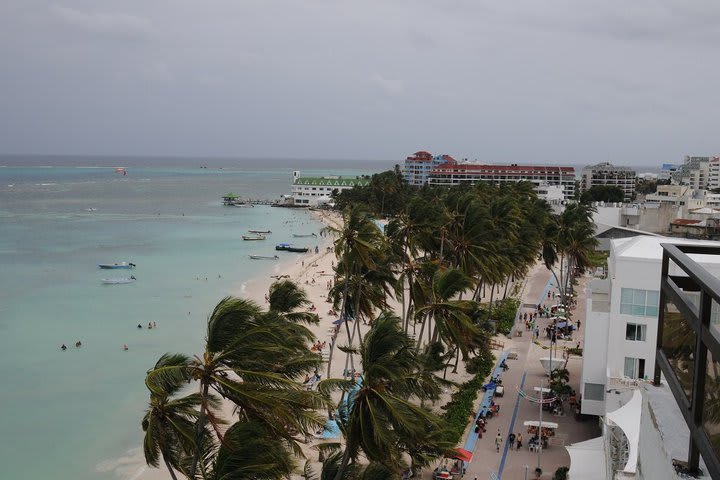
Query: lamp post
(538,446)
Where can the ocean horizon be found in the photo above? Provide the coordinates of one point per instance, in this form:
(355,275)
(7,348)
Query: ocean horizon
(82,407)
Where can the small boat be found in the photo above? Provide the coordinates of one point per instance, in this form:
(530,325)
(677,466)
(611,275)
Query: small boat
(263,257)
(298,235)
(118,281)
(260,231)
(125,265)
(255,237)
(287,247)
(245,205)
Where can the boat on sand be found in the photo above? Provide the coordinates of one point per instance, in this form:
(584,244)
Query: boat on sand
(125,265)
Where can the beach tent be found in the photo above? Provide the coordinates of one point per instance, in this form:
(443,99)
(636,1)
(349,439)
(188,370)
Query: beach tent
(627,418)
(587,460)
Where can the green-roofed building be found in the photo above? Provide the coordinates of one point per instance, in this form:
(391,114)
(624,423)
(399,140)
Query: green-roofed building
(313,191)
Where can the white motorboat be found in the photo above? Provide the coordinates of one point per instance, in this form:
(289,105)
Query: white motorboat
(119,265)
(263,257)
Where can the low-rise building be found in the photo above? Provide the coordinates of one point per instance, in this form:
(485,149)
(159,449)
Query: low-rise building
(607,174)
(471,173)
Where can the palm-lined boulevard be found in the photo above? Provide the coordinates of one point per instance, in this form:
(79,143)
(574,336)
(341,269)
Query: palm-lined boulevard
(415,304)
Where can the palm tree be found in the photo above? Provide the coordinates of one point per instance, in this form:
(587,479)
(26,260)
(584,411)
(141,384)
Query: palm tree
(380,417)
(250,452)
(358,244)
(169,424)
(286,297)
(569,241)
(251,358)
(452,322)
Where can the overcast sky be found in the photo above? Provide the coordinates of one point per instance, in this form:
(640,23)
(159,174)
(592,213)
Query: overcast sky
(522,81)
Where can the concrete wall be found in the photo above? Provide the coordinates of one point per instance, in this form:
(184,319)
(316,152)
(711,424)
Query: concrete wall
(654,463)
(595,352)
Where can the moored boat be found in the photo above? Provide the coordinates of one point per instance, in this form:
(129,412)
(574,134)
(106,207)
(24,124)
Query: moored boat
(263,257)
(260,231)
(118,281)
(253,237)
(304,235)
(118,265)
(287,247)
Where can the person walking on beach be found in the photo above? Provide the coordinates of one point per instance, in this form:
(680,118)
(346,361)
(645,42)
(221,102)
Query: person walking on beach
(498,441)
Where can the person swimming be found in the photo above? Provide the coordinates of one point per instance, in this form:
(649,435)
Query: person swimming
(139,326)
(125,347)
(63,348)
(78,344)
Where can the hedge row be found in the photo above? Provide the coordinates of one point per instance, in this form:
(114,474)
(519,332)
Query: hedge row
(462,404)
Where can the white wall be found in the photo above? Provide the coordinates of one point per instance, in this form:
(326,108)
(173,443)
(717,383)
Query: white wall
(608,216)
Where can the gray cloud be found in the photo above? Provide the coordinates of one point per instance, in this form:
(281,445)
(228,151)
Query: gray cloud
(102,23)
(561,82)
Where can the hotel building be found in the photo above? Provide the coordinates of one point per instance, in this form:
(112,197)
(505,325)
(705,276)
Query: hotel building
(608,174)
(314,191)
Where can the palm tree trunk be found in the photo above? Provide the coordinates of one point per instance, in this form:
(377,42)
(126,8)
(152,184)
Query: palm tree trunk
(169,467)
(506,288)
(343,464)
(199,426)
(419,337)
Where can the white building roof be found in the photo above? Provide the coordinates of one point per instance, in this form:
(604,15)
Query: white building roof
(587,460)
(648,248)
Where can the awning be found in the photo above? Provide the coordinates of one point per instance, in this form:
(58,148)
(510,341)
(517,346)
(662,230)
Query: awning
(462,454)
(535,423)
(627,418)
(587,460)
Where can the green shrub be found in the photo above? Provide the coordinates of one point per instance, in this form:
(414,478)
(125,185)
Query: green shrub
(561,473)
(462,403)
(505,312)
(575,351)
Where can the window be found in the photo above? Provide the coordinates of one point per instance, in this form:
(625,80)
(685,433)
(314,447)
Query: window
(643,303)
(635,332)
(594,391)
(634,367)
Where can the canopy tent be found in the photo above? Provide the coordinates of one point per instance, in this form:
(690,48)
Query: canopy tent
(587,460)
(535,423)
(627,418)
(557,363)
(462,454)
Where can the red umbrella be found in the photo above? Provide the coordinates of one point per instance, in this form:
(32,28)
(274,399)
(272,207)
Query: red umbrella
(462,454)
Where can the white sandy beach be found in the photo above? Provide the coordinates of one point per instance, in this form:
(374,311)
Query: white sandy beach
(303,270)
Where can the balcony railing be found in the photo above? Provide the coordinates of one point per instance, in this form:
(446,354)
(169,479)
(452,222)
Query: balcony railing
(688,346)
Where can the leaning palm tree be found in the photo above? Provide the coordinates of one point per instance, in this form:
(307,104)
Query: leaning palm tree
(378,416)
(251,358)
(169,423)
(286,297)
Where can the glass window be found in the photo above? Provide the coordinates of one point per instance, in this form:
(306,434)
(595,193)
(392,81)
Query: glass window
(635,332)
(643,303)
(630,367)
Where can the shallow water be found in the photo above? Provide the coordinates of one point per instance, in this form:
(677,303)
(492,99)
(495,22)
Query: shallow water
(81,408)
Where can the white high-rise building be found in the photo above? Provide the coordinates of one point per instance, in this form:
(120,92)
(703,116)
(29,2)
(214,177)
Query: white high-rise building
(608,174)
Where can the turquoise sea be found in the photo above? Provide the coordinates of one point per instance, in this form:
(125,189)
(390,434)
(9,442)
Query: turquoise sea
(76,413)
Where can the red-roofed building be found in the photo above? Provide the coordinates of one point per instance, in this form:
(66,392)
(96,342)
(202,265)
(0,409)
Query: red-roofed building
(461,173)
(418,166)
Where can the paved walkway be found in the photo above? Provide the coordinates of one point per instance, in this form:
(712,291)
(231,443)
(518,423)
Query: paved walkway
(525,373)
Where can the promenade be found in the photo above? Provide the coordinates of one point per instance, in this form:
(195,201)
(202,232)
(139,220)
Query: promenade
(525,373)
